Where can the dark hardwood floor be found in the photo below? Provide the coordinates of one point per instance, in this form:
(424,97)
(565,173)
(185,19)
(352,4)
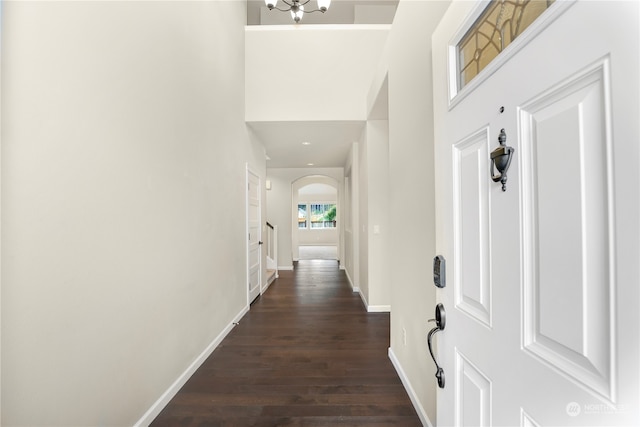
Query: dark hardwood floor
(306,354)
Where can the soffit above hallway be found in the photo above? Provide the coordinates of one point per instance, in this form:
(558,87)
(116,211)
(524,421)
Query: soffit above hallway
(328,142)
(333,67)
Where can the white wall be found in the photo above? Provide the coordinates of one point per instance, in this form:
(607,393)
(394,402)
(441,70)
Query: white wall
(411,193)
(378,229)
(362,243)
(123,200)
(351,258)
(367,252)
(310,73)
(280,205)
(374,14)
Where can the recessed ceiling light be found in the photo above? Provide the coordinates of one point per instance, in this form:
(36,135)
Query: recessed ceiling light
(306,143)
(309,164)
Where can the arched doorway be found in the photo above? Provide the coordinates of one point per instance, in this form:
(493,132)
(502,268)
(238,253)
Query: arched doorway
(315,219)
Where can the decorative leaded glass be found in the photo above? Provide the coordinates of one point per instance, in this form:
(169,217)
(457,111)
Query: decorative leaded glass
(500,23)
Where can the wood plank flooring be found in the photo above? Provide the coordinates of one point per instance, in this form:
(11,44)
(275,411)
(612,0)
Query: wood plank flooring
(306,354)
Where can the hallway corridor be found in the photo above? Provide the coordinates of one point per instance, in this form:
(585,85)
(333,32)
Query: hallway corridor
(306,354)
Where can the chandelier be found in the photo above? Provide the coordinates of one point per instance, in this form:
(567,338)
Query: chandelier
(297,7)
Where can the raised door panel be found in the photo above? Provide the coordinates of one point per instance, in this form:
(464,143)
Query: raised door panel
(567,232)
(471,227)
(473,394)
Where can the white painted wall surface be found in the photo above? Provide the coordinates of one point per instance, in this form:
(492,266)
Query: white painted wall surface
(370,231)
(378,229)
(373,14)
(411,193)
(311,72)
(326,237)
(123,199)
(363,218)
(352,224)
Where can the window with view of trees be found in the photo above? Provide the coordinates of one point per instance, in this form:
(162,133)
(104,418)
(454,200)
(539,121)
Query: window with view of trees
(317,215)
(302,216)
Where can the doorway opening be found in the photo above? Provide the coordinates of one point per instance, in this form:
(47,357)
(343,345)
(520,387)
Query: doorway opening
(315,219)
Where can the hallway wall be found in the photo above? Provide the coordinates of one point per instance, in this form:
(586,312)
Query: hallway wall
(332,67)
(123,201)
(412,194)
(378,230)
(367,237)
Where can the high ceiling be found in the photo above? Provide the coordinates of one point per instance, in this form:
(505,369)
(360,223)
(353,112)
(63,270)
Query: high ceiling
(340,12)
(329,142)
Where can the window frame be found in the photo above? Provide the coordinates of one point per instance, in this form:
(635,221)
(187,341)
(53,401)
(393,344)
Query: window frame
(456,93)
(308,218)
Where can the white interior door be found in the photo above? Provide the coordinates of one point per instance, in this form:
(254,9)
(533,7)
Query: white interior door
(542,293)
(254,230)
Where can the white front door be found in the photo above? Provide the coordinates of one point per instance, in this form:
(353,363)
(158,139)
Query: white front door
(254,229)
(542,279)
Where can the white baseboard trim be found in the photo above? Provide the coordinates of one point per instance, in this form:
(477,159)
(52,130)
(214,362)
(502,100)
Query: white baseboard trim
(364,300)
(269,281)
(266,286)
(374,308)
(286,267)
(166,397)
(353,287)
(422,414)
(379,308)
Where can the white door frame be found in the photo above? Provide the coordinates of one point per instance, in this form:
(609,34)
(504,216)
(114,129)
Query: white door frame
(248,236)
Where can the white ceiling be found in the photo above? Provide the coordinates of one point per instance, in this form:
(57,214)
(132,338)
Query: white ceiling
(330,141)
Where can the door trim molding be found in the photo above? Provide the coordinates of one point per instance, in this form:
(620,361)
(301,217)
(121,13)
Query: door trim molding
(249,170)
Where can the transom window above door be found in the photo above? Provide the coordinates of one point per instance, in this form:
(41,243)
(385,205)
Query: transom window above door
(497,26)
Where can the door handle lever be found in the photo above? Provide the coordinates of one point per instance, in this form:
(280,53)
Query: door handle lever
(441,322)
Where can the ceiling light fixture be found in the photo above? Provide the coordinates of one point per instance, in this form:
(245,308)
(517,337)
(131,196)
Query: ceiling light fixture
(306,143)
(296,7)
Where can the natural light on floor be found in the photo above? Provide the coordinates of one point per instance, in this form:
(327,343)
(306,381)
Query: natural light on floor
(318,252)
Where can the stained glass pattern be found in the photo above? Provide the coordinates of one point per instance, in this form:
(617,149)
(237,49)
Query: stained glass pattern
(500,23)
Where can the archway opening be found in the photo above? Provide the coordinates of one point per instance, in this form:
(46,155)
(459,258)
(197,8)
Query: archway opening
(315,219)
